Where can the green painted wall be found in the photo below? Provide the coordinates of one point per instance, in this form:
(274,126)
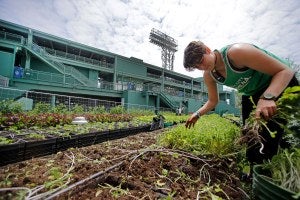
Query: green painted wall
(135,97)
(152,101)
(6,64)
(37,64)
(128,66)
(85,71)
(193,105)
(223,108)
(93,75)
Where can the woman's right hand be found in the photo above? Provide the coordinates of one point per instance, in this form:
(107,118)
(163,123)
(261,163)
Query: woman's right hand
(191,121)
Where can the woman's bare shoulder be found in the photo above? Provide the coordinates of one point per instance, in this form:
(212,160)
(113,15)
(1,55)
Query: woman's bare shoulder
(243,53)
(240,48)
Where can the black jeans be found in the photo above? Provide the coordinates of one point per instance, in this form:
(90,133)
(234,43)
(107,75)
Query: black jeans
(270,144)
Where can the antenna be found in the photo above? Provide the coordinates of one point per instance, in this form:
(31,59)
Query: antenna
(168,45)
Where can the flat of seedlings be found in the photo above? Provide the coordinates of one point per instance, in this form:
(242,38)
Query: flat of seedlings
(128,168)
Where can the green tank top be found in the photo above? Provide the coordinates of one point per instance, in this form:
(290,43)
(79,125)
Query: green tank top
(248,81)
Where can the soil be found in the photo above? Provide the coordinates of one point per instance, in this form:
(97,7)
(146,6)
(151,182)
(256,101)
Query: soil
(128,168)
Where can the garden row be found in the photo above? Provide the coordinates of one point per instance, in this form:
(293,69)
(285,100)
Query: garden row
(172,163)
(27,135)
(182,164)
(24,150)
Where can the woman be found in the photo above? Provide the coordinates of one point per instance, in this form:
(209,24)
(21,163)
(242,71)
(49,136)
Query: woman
(253,72)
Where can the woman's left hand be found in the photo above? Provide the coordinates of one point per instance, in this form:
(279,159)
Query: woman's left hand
(266,109)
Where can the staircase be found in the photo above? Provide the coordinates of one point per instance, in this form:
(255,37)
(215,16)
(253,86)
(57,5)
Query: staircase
(169,102)
(64,69)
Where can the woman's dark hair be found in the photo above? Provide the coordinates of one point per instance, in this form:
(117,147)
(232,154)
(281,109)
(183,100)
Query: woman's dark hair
(193,54)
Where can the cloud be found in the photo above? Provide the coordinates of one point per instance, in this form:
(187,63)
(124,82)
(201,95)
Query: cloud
(66,10)
(123,26)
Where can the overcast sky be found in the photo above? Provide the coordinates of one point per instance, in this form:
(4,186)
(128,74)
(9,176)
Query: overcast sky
(123,26)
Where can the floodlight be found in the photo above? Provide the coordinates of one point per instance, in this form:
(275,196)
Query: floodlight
(168,45)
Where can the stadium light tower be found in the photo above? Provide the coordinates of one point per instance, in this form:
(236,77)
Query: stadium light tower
(168,45)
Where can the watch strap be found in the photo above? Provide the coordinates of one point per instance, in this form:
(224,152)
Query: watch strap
(268,96)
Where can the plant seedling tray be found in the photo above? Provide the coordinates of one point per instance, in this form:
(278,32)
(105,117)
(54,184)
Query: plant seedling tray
(13,153)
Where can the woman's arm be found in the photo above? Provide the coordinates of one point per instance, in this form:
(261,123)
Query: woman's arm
(250,56)
(213,99)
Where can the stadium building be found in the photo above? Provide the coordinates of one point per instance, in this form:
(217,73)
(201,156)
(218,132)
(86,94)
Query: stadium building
(36,66)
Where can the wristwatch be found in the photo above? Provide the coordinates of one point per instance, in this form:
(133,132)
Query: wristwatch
(268,96)
(197,114)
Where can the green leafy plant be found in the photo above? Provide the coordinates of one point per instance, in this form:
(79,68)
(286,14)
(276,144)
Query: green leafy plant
(36,136)
(10,106)
(285,169)
(116,191)
(4,140)
(288,106)
(60,108)
(289,109)
(211,192)
(77,109)
(41,107)
(170,196)
(6,182)
(139,112)
(212,134)
(117,110)
(56,178)
(97,110)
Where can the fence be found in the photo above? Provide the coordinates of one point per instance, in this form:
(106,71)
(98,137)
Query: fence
(4,81)
(69,101)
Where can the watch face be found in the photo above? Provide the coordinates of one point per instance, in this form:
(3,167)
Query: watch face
(269,96)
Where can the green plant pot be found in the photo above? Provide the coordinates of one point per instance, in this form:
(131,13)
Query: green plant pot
(168,124)
(265,189)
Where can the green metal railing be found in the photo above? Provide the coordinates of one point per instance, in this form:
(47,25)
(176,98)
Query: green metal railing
(50,77)
(168,101)
(78,58)
(64,69)
(12,37)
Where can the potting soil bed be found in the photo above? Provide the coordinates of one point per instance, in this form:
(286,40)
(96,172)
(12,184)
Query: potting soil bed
(128,168)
